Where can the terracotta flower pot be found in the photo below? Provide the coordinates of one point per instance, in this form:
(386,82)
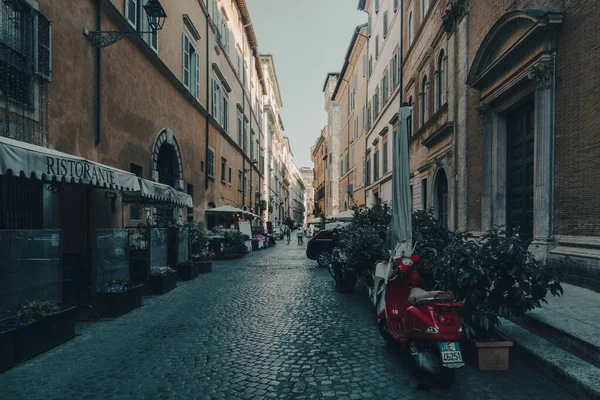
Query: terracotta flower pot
(490,356)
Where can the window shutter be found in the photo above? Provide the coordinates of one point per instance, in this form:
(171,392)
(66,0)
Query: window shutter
(186,61)
(43,47)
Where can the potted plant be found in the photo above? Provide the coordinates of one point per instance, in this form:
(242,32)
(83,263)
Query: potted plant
(495,277)
(189,269)
(40,326)
(163,279)
(7,348)
(204,260)
(117,298)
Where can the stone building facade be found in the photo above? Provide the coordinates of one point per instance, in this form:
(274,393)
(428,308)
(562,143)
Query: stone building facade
(532,156)
(351,94)
(319,157)
(307,174)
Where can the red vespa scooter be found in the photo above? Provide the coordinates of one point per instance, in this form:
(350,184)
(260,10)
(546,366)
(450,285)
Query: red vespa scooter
(424,322)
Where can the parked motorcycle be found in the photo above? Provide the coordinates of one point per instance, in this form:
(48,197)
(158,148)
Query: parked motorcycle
(426,323)
(344,275)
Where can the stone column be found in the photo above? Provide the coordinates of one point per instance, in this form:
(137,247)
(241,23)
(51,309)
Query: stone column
(485,113)
(542,74)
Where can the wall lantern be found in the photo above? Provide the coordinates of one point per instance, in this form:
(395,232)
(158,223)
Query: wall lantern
(156,20)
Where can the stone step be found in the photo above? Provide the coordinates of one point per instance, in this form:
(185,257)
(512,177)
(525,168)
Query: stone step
(577,376)
(572,322)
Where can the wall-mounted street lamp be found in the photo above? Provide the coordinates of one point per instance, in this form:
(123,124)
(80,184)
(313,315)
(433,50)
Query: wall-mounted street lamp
(156,20)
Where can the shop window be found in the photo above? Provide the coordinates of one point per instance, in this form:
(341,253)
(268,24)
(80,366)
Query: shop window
(21,203)
(190,191)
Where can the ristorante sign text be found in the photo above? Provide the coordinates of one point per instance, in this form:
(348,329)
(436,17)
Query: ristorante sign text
(79,169)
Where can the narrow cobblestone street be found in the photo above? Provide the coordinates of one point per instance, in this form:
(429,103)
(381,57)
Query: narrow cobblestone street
(269,325)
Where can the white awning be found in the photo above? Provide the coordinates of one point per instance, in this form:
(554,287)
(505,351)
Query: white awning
(344,216)
(230,210)
(38,162)
(225,210)
(154,192)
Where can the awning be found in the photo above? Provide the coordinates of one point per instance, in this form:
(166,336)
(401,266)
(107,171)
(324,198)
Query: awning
(225,210)
(344,216)
(230,210)
(38,162)
(153,192)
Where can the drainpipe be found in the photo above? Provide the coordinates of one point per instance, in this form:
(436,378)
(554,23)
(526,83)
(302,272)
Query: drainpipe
(207,102)
(455,133)
(367,102)
(98,77)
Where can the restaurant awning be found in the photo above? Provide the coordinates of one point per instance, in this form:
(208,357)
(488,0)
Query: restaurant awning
(46,164)
(230,210)
(344,216)
(157,193)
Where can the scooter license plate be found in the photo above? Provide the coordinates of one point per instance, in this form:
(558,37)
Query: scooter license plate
(451,355)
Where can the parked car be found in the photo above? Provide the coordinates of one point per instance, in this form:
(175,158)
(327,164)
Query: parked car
(320,247)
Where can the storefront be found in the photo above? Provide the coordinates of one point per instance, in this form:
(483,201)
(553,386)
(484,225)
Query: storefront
(51,205)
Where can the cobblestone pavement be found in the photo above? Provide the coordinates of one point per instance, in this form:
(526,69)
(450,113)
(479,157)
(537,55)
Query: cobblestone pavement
(269,325)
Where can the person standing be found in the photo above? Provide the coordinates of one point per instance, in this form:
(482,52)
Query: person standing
(288,233)
(300,236)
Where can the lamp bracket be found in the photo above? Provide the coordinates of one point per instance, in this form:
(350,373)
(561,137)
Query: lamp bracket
(107,38)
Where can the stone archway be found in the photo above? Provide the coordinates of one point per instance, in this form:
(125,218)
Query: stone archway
(167,163)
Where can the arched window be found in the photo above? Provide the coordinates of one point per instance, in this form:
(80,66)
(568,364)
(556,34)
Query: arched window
(442,197)
(423,102)
(424,9)
(440,82)
(410,28)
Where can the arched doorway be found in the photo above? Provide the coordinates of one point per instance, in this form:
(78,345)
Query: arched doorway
(167,167)
(442,206)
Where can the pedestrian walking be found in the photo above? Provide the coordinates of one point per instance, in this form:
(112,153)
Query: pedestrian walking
(300,236)
(288,233)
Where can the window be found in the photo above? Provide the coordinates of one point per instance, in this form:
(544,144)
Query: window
(423,102)
(223,169)
(440,81)
(385,157)
(364,117)
(351,157)
(369,24)
(364,171)
(240,126)
(224,111)
(395,5)
(409,119)
(411,29)
(216,99)
(353,93)
(424,8)
(341,167)
(424,194)
(347,163)
(191,67)
(355,127)
(252,148)
(131,11)
(385,24)
(365,65)
(368,173)
(376,165)
(25,34)
(240,181)
(376,47)
(229,176)
(376,5)
(370,71)
(239,65)
(210,163)
(152,37)
(394,69)
(376,103)
(245,146)
(369,111)
(385,87)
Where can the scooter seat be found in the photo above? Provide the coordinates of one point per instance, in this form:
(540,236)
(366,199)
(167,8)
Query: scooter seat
(419,296)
